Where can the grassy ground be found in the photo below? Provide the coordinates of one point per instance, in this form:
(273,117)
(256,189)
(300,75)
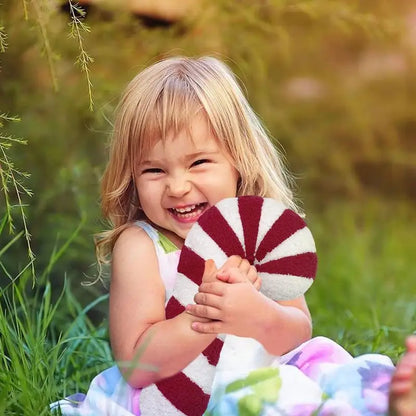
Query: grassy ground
(48,349)
(364,294)
(363,298)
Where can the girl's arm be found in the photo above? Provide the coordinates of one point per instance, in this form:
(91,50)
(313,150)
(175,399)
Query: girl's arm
(137,315)
(241,310)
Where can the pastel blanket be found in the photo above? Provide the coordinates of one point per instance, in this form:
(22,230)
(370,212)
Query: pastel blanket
(318,378)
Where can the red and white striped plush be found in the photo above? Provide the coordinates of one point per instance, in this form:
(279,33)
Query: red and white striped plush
(271,237)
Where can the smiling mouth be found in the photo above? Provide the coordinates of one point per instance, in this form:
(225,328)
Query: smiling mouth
(189,211)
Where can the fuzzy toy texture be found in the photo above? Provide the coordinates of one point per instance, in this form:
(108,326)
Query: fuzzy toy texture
(270,236)
(278,243)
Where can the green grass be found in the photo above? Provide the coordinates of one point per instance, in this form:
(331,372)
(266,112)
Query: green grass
(48,348)
(364,293)
(363,298)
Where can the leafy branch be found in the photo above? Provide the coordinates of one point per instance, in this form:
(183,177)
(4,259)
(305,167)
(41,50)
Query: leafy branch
(12,180)
(41,15)
(25,9)
(3,40)
(42,12)
(77,26)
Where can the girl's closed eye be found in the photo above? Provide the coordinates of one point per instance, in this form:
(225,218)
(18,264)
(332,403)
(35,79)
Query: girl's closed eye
(200,162)
(152,170)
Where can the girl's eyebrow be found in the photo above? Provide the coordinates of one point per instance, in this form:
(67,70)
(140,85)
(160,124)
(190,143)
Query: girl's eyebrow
(148,162)
(201,153)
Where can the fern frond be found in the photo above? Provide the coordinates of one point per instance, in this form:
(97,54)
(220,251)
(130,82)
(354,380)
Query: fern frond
(3,39)
(77,26)
(11,182)
(41,12)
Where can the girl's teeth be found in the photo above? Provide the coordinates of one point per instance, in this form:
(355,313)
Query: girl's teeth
(187,211)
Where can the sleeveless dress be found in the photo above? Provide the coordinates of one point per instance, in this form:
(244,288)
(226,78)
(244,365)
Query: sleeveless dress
(317,378)
(108,393)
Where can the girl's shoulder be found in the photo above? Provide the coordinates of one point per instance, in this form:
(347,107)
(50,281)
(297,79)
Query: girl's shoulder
(141,232)
(147,228)
(140,252)
(132,237)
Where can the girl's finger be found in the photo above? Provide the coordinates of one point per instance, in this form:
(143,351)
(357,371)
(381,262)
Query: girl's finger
(257,283)
(210,271)
(215,288)
(214,327)
(203,311)
(208,299)
(245,266)
(232,261)
(233,275)
(254,278)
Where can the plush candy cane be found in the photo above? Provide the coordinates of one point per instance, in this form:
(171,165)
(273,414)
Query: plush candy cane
(271,237)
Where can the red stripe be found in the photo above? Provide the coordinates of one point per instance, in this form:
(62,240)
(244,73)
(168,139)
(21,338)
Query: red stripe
(286,225)
(215,225)
(303,265)
(173,308)
(212,352)
(184,394)
(191,265)
(250,212)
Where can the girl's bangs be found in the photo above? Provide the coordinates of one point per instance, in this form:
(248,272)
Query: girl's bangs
(172,111)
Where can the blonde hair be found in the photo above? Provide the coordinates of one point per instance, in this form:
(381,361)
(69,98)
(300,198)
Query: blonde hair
(164,98)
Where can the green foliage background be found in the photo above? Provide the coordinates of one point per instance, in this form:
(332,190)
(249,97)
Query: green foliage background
(332,80)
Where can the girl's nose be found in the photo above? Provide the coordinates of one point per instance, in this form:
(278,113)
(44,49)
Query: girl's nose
(178,185)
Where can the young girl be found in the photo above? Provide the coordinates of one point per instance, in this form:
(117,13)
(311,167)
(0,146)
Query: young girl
(184,139)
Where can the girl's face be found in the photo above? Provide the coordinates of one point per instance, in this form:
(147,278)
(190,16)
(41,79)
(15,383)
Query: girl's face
(182,177)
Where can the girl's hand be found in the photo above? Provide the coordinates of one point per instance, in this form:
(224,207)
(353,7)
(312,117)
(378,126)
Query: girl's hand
(210,272)
(236,271)
(230,308)
(248,272)
(210,275)
(239,309)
